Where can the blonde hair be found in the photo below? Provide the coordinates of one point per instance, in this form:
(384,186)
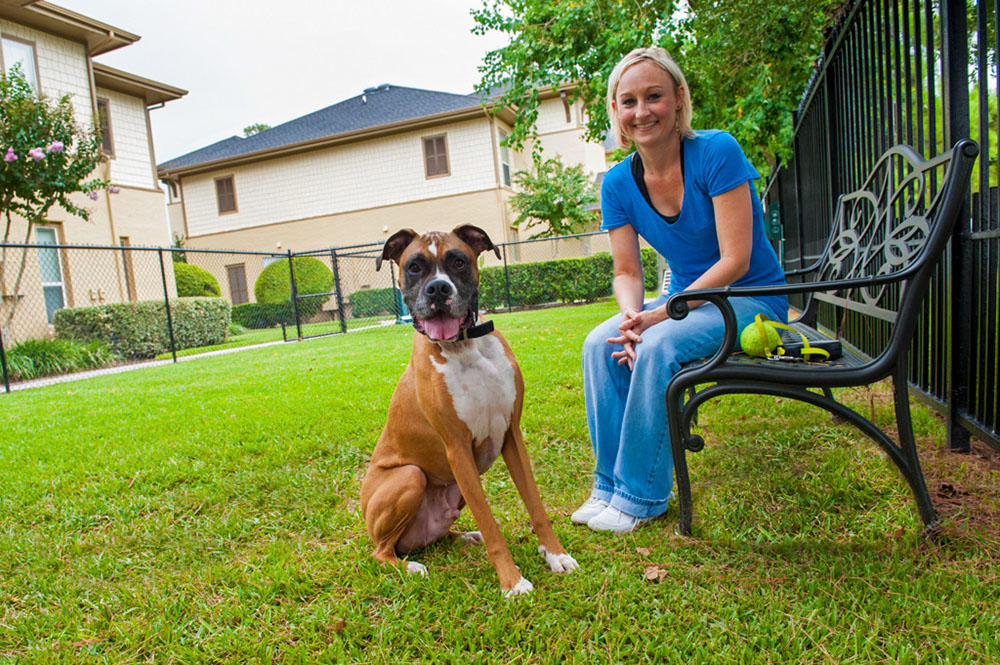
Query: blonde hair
(662,59)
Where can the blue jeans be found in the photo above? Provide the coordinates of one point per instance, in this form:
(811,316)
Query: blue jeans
(626,409)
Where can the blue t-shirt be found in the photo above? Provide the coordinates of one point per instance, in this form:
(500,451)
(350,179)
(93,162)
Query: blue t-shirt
(714,163)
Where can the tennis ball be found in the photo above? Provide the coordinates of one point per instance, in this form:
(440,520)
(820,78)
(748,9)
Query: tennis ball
(753,344)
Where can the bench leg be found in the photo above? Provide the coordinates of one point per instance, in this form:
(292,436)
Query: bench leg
(678,448)
(908,448)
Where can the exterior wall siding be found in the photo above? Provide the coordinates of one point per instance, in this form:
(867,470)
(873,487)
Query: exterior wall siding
(373,173)
(132,161)
(62,68)
(373,225)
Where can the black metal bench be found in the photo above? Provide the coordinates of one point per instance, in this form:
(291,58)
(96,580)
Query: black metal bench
(886,239)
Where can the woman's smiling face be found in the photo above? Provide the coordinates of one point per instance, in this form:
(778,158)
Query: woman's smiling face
(646,104)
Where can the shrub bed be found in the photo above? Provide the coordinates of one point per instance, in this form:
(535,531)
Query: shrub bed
(139,329)
(557,281)
(35,358)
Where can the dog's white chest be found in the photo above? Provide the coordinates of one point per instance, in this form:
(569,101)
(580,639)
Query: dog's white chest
(480,380)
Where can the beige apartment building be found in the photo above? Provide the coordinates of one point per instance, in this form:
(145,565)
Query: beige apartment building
(359,170)
(55,48)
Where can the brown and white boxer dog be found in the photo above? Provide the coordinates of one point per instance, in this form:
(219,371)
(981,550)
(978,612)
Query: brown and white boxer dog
(456,409)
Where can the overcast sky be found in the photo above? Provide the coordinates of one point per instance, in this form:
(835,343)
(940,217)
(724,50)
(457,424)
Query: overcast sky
(242,63)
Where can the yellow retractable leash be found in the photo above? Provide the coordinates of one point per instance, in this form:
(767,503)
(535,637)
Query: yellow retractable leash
(768,344)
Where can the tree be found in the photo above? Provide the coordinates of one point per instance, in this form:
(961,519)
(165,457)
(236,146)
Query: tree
(46,158)
(747,62)
(255,128)
(555,196)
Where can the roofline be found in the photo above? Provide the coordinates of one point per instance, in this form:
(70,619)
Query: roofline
(325,142)
(351,136)
(153,92)
(97,36)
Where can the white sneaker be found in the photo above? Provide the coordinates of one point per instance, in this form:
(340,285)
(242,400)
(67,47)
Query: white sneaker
(590,509)
(615,521)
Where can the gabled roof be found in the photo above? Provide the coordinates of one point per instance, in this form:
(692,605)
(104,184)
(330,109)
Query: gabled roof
(380,108)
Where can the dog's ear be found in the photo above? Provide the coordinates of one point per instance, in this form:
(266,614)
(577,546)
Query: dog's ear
(394,246)
(476,238)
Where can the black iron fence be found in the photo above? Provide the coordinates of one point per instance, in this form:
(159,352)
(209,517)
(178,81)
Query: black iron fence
(921,72)
(120,305)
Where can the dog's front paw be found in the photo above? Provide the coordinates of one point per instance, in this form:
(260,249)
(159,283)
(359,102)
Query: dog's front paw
(522,587)
(558,563)
(416,568)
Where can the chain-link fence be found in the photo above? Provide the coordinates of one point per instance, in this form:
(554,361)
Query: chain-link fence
(66,308)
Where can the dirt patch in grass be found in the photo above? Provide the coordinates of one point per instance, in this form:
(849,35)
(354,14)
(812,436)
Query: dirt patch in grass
(965,489)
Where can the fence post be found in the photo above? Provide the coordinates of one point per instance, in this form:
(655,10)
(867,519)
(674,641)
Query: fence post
(3,363)
(955,45)
(166,302)
(506,277)
(295,297)
(336,287)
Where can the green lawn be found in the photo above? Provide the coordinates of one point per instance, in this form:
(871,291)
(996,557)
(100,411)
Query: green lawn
(207,512)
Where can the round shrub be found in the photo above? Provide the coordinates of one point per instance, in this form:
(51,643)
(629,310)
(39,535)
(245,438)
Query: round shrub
(273,286)
(194,281)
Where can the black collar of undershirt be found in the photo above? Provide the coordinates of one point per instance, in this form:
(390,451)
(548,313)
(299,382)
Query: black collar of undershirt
(638,171)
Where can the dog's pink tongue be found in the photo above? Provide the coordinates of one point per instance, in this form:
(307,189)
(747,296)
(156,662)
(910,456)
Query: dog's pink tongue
(442,327)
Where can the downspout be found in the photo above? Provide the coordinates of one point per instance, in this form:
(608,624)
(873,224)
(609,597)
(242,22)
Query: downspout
(107,196)
(494,148)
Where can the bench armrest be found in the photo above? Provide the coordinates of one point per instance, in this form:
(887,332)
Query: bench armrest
(678,308)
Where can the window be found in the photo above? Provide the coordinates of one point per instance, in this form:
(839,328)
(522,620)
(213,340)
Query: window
(104,119)
(237,283)
(16,52)
(435,156)
(129,272)
(504,159)
(225,194)
(52,275)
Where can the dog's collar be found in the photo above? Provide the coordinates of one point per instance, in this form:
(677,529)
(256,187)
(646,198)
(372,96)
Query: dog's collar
(476,331)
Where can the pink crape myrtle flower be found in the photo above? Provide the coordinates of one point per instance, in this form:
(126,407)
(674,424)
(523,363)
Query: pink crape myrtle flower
(55,146)
(92,195)
(11,156)
(113,189)
(36,154)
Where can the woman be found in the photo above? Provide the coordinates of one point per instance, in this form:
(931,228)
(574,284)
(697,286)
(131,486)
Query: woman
(690,196)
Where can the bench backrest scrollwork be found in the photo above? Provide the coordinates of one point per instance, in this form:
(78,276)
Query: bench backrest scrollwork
(887,236)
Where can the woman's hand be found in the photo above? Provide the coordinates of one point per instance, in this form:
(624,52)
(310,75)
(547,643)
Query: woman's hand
(632,326)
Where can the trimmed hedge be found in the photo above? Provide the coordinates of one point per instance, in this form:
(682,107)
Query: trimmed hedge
(263,315)
(372,302)
(557,281)
(139,329)
(193,281)
(273,286)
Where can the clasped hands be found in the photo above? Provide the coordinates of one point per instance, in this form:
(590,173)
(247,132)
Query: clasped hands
(634,322)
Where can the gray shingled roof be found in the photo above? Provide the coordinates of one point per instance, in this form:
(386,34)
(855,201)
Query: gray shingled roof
(381,105)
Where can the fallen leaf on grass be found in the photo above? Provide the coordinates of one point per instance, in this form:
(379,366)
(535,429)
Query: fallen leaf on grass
(337,626)
(655,573)
(643,551)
